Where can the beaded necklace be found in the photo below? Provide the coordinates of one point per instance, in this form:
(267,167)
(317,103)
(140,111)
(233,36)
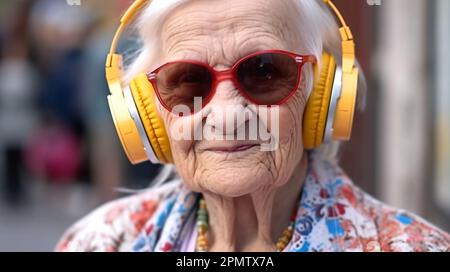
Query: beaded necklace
(203,226)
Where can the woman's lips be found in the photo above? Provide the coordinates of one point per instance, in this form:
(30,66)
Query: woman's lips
(231,149)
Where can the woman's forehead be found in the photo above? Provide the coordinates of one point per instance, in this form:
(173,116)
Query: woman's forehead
(229,25)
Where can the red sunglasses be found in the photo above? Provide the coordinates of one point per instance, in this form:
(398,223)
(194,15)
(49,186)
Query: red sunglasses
(268,77)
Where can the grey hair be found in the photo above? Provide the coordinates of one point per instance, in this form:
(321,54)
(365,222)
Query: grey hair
(319,32)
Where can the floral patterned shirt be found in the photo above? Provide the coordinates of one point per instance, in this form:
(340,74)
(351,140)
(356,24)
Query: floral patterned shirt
(333,215)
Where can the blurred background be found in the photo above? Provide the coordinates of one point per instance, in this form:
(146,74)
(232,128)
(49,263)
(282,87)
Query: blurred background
(60,157)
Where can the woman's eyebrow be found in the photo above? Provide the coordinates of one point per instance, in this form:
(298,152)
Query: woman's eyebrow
(251,46)
(188,55)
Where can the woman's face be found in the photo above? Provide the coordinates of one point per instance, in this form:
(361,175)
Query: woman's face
(220,33)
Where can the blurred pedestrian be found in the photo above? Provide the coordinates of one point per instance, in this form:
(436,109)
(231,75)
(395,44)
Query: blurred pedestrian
(18,85)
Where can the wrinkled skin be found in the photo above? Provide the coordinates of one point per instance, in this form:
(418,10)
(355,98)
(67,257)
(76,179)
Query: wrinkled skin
(250,194)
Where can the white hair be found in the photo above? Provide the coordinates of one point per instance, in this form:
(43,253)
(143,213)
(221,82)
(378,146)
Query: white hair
(317,31)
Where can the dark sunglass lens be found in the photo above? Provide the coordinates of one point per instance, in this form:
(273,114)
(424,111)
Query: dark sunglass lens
(179,83)
(268,78)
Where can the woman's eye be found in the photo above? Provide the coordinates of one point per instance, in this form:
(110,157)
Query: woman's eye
(265,70)
(177,81)
(188,78)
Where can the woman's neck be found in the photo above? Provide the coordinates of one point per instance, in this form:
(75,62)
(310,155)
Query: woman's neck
(253,222)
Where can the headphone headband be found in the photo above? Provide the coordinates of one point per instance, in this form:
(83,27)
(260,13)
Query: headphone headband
(126,18)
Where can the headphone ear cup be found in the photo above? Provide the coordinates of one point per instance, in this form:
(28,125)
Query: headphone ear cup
(145,100)
(126,128)
(316,111)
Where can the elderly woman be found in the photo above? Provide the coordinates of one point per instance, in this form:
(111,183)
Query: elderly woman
(233,194)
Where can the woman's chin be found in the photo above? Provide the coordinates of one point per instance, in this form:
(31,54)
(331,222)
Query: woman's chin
(235,181)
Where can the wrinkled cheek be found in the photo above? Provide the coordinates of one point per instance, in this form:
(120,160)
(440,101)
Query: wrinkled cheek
(287,129)
(290,126)
(181,141)
(291,140)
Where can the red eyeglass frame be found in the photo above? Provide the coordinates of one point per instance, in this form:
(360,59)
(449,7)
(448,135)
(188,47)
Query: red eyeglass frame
(231,74)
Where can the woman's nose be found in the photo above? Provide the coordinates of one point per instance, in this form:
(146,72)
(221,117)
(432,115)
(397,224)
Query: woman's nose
(227,111)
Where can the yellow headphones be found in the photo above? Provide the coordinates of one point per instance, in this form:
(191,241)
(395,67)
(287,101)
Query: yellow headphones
(328,113)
